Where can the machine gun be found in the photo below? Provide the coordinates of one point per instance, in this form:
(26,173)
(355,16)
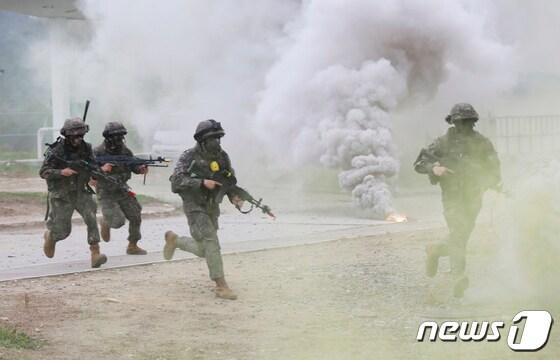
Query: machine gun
(132,162)
(228,183)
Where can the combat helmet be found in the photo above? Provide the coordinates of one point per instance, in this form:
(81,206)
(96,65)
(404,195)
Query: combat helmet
(114,128)
(74,126)
(208,128)
(462,111)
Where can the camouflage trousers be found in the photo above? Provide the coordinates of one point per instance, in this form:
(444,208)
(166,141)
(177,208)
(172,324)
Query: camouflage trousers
(460,217)
(59,220)
(204,242)
(116,208)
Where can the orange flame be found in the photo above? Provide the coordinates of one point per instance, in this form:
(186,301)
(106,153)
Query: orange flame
(396,218)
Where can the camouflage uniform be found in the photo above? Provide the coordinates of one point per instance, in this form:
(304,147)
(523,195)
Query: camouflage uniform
(476,168)
(117,205)
(67,194)
(200,206)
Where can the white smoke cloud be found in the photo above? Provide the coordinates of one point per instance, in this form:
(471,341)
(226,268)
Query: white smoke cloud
(318,80)
(329,96)
(172,64)
(527,227)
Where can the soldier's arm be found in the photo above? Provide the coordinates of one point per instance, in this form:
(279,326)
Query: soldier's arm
(181,177)
(50,169)
(424,162)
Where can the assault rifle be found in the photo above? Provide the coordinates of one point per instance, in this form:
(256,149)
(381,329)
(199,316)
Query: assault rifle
(445,162)
(92,169)
(229,184)
(245,196)
(132,162)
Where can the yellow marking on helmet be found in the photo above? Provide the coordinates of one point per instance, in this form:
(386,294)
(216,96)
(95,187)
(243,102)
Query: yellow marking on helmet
(214,166)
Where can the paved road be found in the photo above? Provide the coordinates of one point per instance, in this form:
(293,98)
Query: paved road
(311,219)
(303,218)
(21,250)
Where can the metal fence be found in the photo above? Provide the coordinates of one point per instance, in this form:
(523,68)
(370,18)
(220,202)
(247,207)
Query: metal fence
(513,136)
(19,134)
(516,136)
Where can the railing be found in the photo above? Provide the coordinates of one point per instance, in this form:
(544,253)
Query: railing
(522,135)
(18,134)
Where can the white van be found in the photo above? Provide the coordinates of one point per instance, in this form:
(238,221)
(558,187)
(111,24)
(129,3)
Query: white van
(169,144)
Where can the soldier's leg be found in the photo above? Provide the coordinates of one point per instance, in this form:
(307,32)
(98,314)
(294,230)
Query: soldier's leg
(112,216)
(132,210)
(205,234)
(461,224)
(457,241)
(87,209)
(59,224)
(204,228)
(185,243)
(112,213)
(434,252)
(189,244)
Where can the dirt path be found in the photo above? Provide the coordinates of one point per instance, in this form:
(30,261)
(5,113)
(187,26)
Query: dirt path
(346,299)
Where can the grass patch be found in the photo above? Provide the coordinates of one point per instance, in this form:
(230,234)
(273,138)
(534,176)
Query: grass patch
(41,198)
(6,154)
(12,338)
(24,197)
(146,199)
(16,169)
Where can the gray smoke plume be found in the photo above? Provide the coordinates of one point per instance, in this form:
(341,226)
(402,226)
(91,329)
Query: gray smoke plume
(329,96)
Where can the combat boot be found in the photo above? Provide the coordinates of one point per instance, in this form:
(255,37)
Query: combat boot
(460,286)
(432,260)
(97,259)
(134,249)
(49,245)
(105,230)
(170,245)
(223,291)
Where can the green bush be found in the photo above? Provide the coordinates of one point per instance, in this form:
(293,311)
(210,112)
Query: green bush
(12,338)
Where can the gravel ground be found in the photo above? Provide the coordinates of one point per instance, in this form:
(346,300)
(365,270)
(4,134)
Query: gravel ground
(346,299)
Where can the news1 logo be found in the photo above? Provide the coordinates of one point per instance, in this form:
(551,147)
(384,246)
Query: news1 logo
(533,337)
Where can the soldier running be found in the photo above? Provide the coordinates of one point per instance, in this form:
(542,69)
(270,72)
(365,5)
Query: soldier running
(465,165)
(116,204)
(68,189)
(201,200)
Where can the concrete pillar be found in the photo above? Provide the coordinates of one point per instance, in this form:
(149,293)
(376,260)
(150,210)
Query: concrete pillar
(60,78)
